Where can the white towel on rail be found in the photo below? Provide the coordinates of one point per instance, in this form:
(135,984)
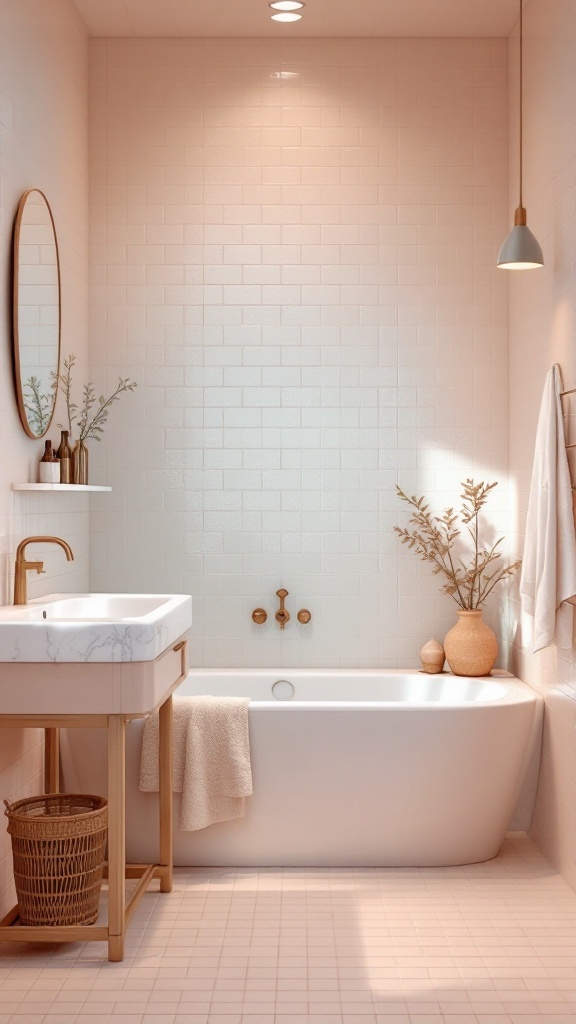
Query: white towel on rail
(211,758)
(549,564)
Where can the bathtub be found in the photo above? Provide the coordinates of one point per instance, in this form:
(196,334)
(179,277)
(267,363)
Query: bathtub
(350,768)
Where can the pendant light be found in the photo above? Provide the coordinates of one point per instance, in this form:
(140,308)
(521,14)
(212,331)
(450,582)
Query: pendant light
(521,250)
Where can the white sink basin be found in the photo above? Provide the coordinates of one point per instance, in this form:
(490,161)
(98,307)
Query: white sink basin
(93,627)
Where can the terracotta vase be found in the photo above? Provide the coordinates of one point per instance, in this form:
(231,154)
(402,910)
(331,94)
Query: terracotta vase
(80,463)
(471,646)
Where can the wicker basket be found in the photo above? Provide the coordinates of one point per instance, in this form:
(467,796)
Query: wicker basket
(58,846)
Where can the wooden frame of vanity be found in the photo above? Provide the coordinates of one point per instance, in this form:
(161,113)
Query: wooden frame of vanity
(120,909)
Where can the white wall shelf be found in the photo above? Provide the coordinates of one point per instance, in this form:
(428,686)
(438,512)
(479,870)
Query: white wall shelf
(59,487)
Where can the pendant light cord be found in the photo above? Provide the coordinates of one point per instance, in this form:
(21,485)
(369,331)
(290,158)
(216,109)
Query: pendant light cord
(520,250)
(521,102)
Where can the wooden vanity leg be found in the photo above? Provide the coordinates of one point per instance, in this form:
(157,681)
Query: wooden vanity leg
(116,836)
(165,798)
(51,760)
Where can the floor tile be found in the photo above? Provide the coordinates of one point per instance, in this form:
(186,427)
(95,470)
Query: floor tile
(491,943)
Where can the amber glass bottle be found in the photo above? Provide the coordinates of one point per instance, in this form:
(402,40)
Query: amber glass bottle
(65,455)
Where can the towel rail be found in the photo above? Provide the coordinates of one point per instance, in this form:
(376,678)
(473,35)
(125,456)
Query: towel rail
(564,394)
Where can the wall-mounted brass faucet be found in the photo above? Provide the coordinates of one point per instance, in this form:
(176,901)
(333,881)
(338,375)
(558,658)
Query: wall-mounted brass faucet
(282,616)
(21,566)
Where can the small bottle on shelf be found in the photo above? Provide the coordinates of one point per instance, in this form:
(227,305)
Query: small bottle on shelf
(65,456)
(49,467)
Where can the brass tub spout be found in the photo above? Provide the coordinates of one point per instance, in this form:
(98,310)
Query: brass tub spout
(282,615)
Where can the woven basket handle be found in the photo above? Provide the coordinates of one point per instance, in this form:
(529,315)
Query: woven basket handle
(7,806)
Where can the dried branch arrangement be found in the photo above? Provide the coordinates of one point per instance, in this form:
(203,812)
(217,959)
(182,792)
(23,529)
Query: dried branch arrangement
(469,580)
(90,423)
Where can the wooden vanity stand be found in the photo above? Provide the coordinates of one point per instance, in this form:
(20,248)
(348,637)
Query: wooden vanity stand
(120,909)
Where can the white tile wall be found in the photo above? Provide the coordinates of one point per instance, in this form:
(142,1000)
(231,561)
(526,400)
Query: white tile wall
(300,273)
(43,144)
(543,331)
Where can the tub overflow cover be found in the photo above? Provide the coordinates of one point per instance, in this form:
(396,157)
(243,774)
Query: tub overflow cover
(283,690)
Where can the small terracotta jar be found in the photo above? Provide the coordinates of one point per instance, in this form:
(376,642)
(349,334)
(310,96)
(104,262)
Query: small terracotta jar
(471,646)
(432,657)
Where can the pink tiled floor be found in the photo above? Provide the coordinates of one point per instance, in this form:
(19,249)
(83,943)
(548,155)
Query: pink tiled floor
(492,943)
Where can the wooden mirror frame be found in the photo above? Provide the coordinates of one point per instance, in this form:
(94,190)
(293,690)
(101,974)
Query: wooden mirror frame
(15,306)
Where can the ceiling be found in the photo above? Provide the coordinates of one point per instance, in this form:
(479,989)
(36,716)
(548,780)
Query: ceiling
(321,18)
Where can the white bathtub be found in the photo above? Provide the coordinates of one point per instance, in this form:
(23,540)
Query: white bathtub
(367,768)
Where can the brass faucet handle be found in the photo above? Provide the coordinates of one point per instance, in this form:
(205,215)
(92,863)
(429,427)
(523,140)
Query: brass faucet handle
(304,616)
(259,616)
(282,594)
(39,566)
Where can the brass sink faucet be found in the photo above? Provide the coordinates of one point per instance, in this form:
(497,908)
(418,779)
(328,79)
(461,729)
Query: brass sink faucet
(21,566)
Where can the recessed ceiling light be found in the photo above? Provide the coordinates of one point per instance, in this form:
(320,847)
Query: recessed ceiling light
(287,5)
(286,16)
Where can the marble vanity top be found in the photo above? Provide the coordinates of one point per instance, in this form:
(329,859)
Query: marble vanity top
(93,627)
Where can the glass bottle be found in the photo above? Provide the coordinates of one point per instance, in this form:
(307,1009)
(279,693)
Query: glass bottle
(65,455)
(48,469)
(80,463)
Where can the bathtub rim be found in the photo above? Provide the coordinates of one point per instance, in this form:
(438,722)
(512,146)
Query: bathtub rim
(514,690)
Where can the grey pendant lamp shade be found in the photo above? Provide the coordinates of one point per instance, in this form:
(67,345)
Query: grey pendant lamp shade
(521,250)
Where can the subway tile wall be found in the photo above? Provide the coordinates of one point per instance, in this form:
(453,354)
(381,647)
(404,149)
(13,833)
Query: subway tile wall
(293,248)
(543,331)
(43,144)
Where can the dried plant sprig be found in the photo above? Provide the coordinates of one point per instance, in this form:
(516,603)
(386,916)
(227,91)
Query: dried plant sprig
(89,427)
(94,428)
(38,406)
(468,582)
(63,382)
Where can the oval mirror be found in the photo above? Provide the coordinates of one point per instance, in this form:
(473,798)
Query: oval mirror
(36,312)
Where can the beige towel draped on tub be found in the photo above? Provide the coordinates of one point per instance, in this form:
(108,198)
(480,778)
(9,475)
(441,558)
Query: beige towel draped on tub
(211,754)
